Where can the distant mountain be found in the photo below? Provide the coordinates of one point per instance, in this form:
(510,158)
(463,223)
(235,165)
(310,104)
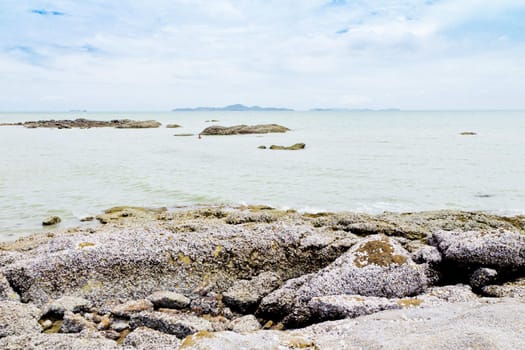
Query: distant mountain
(233,108)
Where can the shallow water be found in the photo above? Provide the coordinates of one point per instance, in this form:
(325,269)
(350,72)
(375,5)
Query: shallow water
(356,161)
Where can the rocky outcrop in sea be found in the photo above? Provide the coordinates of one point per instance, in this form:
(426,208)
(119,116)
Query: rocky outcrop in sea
(255,277)
(86,124)
(244,129)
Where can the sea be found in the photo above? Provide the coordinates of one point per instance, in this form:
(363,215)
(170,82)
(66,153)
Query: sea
(362,161)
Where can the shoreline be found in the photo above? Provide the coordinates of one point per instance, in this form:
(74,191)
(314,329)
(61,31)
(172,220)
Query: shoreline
(221,275)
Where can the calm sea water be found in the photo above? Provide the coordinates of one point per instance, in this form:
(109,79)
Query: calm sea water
(356,161)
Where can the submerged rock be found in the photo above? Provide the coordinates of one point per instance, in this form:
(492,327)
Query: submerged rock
(184,134)
(468,133)
(294,147)
(244,129)
(173,126)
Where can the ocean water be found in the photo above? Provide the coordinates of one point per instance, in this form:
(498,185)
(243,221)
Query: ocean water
(354,161)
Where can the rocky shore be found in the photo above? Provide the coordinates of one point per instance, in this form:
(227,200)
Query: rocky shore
(258,278)
(86,124)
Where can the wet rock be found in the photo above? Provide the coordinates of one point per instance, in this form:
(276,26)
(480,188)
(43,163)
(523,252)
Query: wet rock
(170,300)
(243,324)
(184,134)
(18,319)
(513,289)
(173,126)
(57,341)
(293,147)
(482,277)
(468,133)
(245,295)
(262,147)
(144,338)
(58,307)
(180,325)
(244,129)
(52,220)
(492,248)
(145,124)
(130,308)
(75,323)
(87,218)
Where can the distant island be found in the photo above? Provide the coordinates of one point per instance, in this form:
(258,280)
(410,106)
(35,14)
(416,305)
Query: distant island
(235,108)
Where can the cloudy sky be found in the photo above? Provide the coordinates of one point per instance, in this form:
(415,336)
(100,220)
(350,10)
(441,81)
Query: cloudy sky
(162,54)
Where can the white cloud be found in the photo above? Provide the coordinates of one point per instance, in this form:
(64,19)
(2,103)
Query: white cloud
(167,53)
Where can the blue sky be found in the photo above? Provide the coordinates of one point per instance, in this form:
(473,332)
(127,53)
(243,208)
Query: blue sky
(161,54)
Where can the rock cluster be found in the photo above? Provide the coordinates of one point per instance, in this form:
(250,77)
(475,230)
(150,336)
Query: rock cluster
(256,277)
(86,124)
(244,129)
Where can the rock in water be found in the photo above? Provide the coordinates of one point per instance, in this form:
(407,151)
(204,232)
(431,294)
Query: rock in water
(52,220)
(294,147)
(173,126)
(139,125)
(244,129)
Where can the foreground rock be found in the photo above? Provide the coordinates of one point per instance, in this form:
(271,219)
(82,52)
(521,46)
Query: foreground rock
(167,274)
(477,325)
(86,124)
(18,319)
(244,129)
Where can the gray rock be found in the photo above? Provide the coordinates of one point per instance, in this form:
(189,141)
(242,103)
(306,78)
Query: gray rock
(245,295)
(244,129)
(281,301)
(293,147)
(170,300)
(18,319)
(204,305)
(335,307)
(178,324)
(67,303)
(57,341)
(244,324)
(119,325)
(143,124)
(6,292)
(75,323)
(474,325)
(482,277)
(52,220)
(376,266)
(132,307)
(491,248)
(513,289)
(427,255)
(149,339)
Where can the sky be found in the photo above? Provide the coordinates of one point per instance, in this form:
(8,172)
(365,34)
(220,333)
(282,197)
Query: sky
(164,54)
